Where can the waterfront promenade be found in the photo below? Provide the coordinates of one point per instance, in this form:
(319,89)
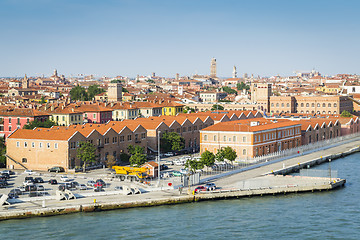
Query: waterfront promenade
(172,196)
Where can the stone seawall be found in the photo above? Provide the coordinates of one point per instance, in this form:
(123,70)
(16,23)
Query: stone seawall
(216,195)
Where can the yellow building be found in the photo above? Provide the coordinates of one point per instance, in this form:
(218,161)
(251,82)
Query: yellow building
(329,88)
(63,115)
(172,108)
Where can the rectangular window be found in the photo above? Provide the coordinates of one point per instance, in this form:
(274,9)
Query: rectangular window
(25,144)
(18,121)
(27,120)
(40,145)
(48,145)
(195,128)
(94,115)
(55,145)
(9,128)
(33,145)
(224,138)
(189,129)
(9,119)
(77,144)
(24,160)
(205,137)
(143,135)
(122,138)
(17,144)
(129,137)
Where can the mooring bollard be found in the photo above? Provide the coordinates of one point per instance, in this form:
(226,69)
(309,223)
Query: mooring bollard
(43,204)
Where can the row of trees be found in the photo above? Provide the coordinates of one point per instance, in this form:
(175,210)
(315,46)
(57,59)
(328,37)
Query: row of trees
(80,93)
(36,124)
(208,158)
(136,157)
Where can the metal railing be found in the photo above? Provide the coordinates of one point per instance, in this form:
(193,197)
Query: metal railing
(239,163)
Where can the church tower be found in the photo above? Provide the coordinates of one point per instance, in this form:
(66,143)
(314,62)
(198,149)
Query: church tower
(234,75)
(25,82)
(213,68)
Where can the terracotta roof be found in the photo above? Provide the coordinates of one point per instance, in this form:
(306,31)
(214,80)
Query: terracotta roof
(245,125)
(42,133)
(23,112)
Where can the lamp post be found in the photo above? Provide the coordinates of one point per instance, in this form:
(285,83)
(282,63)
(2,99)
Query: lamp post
(330,170)
(159,158)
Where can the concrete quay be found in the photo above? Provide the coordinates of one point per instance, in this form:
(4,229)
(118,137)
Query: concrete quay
(169,197)
(233,186)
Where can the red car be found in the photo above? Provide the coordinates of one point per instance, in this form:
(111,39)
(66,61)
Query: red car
(98,184)
(200,189)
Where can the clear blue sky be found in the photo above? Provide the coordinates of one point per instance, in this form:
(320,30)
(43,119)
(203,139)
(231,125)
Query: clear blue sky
(130,37)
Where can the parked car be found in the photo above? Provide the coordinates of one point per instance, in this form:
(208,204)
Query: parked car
(210,186)
(98,189)
(176,173)
(184,171)
(200,189)
(99,183)
(62,187)
(118,188)
(53,181)
(163,167)
(28,182)
(56,169)
(29,172)
(90,183)
(40,187)
(36,194)
(21,188)
(169,162)
(30,188)
(38,180)
(13,195)
(8,172)
(29,179)
(168,154)
(64,178)
(5,175)
(74,184)
(16,191)
(82,187)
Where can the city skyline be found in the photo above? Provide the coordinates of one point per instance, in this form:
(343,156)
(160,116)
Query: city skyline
(140,37)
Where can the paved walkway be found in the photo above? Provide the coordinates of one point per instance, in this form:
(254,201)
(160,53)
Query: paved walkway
(231,181)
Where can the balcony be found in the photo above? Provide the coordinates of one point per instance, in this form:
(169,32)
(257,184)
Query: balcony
(137,141)
(100,146)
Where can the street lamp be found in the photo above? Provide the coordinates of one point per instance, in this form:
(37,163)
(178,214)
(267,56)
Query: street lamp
(159,158)
(330,170)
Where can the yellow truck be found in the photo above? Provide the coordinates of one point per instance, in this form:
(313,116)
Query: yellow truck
(131,173)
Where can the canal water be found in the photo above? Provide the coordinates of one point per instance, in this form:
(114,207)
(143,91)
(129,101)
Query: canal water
(320,215)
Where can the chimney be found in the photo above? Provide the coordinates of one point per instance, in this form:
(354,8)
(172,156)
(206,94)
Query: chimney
(111,104)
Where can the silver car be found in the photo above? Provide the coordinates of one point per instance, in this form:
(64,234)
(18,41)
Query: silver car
(90,183)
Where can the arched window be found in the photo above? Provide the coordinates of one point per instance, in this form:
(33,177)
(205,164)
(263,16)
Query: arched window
(215,138)
(307,105)
(282,105)
(288,104)
(313,105)
(244,139)
(244,151)
(329,105)
(234,138)
(335,105)
(205,137)
(302,104)
(277,104)
(324,105)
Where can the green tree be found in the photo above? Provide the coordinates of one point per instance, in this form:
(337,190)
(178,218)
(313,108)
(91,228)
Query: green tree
(137,159)
(125,90)
(229,90)
(36,124)
(150,81)
(193,165)
(42,99)
(346,114)
(117,81)
(208,158)
(133,150)
(171,141)
(2,153)
(242,85)
(229,153)
(124,157)
(220,155)
(94,90)
(78,93)
(110,161)
(188,109)
(86,153)
(217,107)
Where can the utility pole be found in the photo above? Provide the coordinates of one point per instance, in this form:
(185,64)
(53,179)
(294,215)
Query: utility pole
(330,170)
(159,158)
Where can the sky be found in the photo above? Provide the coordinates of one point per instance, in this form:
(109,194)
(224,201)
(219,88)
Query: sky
(130,37)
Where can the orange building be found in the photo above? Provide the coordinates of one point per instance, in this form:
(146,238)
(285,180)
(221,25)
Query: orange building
(251,138)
